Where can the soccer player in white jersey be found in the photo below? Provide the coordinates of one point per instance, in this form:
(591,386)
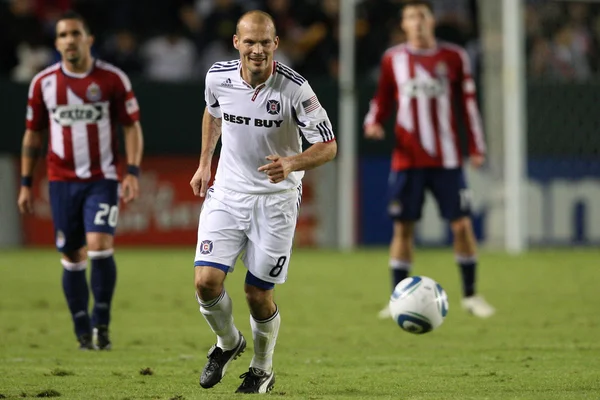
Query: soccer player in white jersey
(260,108)
(420,80)
(79,102)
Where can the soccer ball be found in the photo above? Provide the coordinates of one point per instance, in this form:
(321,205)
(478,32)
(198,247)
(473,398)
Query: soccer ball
(418,304)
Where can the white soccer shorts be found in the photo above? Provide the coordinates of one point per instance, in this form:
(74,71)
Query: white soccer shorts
(259,226)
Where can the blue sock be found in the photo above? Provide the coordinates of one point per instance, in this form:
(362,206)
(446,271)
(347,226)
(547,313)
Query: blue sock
(399,271)
(77,294)
(468,267)
(104,279)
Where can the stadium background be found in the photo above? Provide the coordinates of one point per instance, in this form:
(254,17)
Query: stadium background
(542,344)
(166,47)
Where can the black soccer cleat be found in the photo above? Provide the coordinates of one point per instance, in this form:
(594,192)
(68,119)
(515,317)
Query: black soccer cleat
(256,381)
(85,342)
(218,361)
(101,339)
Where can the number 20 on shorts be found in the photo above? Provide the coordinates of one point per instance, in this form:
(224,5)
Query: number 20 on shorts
(107,214)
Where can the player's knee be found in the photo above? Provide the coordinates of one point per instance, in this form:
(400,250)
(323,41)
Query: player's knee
(256,296)
(99,242)
(461,227)
(260,301)
(208,282)
(75,256)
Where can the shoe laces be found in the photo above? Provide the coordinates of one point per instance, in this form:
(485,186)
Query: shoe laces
(252,377)
(213,358)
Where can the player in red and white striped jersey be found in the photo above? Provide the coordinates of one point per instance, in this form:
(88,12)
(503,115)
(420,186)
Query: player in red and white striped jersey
(81,112)
(79,102)
(421,80)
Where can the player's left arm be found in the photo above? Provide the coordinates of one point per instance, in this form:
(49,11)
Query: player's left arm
(472,117)
(134,149)
(128,113)
(314,124)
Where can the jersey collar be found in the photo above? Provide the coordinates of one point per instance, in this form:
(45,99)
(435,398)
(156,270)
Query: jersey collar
(77,74)
(422,52)
(265,83)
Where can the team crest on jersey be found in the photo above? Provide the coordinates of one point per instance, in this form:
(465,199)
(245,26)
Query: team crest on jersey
(206,247)
(93,92)
(273,107)
(441,69)
(60,239)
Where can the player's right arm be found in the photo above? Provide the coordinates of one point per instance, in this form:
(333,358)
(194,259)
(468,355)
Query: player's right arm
(382,103)
(211,132)
(33,141)
(31,151)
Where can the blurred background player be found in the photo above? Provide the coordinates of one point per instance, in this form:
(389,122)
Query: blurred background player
(79,102)
(423,77)
(261,106)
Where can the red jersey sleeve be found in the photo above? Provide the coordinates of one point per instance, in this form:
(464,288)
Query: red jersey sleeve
(382,104)
(37,113)
(468,95)
(126,105)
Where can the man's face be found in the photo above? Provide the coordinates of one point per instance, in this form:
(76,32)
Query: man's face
(418,23)
(72,40)
(256,43)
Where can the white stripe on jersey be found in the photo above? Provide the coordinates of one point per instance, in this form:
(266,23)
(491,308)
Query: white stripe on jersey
(39,74)
(104,128)
(79,140)
(57,141)
(106,154)
(402,74)
(426,132)
(449,155)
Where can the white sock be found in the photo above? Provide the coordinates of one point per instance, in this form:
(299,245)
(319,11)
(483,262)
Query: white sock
(218,315)
(264,334)
(400,264)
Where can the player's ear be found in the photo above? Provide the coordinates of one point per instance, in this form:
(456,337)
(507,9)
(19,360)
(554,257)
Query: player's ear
(91,40)
(276,42)
(236,42)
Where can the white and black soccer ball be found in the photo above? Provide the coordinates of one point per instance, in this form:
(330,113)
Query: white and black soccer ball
(419,304)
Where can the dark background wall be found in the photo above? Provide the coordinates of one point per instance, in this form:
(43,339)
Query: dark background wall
(563,119)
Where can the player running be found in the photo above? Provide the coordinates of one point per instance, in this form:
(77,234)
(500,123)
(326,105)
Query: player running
(261,107)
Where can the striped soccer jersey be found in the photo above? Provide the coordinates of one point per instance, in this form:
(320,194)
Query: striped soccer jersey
(426,89)
(81,113)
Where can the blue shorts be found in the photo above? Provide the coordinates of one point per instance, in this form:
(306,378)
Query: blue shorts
(82,207)
(448,186)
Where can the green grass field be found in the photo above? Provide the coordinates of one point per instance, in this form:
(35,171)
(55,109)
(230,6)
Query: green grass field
(544,342)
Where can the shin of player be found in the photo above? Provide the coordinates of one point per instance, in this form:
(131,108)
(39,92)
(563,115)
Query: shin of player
(258,106)
(423,77)
(78,104)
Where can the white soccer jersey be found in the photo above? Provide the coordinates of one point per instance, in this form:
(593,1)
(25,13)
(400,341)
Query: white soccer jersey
(257,122)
